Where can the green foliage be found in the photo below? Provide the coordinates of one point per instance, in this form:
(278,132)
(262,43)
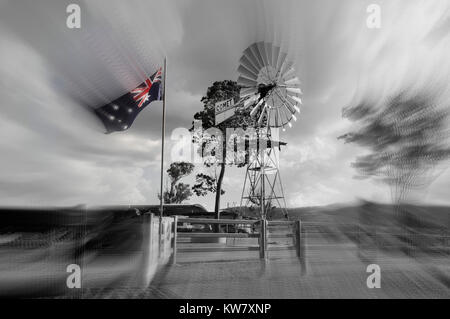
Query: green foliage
(211,182)
(219,91)
(178,170)
(178,192)
(406,136)
(204,184)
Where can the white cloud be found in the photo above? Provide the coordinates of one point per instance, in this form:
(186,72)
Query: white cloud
(54,152)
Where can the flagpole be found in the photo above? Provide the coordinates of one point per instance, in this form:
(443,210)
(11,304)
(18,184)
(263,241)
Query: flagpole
(163,135)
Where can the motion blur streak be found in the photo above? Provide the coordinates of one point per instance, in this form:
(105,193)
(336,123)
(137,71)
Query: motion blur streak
(50,75)
(37,246)
(392,83)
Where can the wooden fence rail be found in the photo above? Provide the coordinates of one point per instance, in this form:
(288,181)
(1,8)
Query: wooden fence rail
(296,234)
(217,221)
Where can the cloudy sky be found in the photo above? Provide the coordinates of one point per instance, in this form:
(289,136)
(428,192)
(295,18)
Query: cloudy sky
(54,152)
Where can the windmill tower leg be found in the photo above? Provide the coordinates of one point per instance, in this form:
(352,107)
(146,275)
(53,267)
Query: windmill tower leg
(262,186)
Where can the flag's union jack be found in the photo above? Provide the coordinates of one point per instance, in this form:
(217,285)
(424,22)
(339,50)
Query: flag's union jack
(142,94)
(119,114)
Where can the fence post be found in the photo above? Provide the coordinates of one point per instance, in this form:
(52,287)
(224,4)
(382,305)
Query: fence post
(298,238)
(150,225)
(147,250)
(160,238)
(263,239)
(174,244)
(301,245)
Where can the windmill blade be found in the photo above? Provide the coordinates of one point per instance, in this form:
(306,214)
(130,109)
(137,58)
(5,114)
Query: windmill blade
(265,69)
(296,99)
(290,71)
(245,62)
(253,112)
(247,73)
(284,67)
(289,107)
(266,77)
(244,96)
(246,91)
(257,56)
(246,82)
(278,118)
(250,78)
(284,118)
(263,112)
(269,118)
(294,80)
(275,55)
(256,108)
(252,58)
(286,103)
(294,90)
(262,52)
(281,61)
(250,100)
(284,86)
(292,86)
(293,77)
(268,48)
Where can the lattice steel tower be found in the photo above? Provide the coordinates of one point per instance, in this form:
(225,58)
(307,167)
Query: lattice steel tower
(268,86)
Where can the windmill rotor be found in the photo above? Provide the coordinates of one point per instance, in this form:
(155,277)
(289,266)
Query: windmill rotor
(271,91)
(269,85)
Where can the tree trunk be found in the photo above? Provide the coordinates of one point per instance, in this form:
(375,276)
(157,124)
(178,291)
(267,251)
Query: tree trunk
(172,185)
(219,190)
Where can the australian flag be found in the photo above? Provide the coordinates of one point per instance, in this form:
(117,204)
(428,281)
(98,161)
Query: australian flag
(120,113)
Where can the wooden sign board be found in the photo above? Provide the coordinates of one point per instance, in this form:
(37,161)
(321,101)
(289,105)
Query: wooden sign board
(224,110)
